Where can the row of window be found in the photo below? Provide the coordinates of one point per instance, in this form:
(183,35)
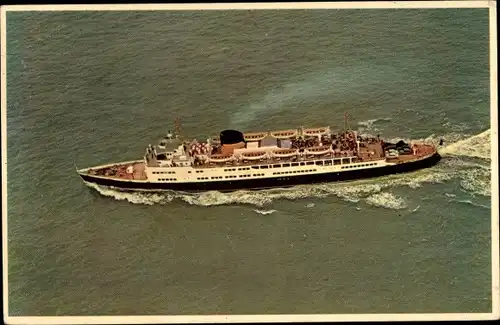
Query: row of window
(317,163)
(327,162)
(295,172)
(235,169)
(275,173)
(362,165)
(231,176)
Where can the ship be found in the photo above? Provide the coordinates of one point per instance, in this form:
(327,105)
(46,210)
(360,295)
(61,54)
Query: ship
(237,160)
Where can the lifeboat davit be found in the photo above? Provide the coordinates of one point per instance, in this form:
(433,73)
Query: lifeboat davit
(254,155)
(258,136)
(284,134)
(323,150)
(316,131)
(285,153)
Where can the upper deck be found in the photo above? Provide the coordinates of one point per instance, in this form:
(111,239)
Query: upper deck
(271,147)
(121,171)
(266,148)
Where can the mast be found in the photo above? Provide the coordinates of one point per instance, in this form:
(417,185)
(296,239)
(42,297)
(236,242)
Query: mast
(178,128)
(357,143)
(345,121)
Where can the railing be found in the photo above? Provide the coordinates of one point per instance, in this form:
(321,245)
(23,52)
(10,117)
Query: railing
(271,161)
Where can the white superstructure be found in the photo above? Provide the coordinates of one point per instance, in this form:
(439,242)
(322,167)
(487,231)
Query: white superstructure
(194,162)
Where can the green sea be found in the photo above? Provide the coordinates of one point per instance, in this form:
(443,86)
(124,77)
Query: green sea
(93,87)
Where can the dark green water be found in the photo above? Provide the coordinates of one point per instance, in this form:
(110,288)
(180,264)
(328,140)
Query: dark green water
(97,87)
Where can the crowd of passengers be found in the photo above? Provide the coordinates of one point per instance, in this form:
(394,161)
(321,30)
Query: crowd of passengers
(344,141)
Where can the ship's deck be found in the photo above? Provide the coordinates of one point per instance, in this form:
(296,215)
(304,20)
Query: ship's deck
(369,152)
(423,150)
(120,171)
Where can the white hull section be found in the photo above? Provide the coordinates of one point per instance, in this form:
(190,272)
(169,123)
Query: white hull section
(277,170)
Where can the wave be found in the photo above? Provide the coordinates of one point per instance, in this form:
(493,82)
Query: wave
(460,127)
(264,212)
(470,157)
(476,181)
(472,203)
(133,197)
(369,125)
(477,146)
(386,200)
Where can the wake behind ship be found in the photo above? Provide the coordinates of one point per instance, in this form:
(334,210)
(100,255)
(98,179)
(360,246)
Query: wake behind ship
(262,160)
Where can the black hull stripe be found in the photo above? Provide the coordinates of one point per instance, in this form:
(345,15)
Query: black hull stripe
(225,186)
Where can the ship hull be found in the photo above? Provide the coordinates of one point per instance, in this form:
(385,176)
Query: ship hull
(265,183)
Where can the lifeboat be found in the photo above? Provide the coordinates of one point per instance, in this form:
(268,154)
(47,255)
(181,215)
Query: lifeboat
(258,136)
(220,158)
(284,153)
(323,150)
(254,155)
(284,134)
(200,149)
(316,131)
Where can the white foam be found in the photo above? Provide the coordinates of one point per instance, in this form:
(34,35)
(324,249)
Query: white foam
(476,181)
(478,146)
(132,197)
(473,203)
(264,212)
(369,125)
(386,200)
(433,139)
(456,127)
(217,198)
